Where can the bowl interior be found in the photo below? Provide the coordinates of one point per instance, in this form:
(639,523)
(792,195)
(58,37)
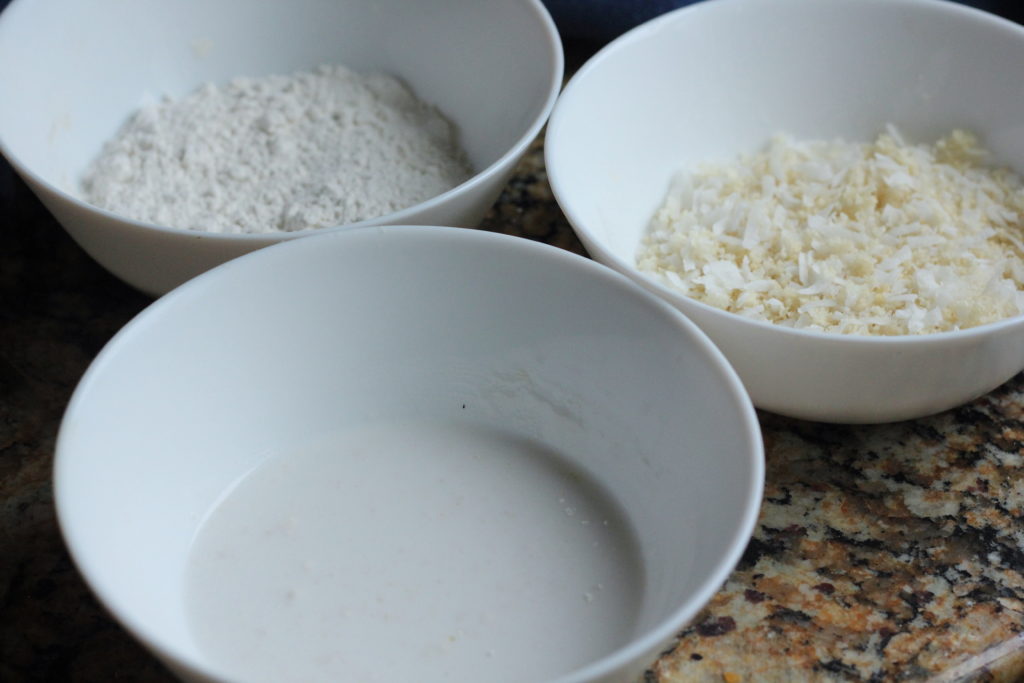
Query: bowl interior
(71,72)
(716,79)
(444,325)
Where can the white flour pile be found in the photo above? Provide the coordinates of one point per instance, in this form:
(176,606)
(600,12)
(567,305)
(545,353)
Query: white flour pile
(882,238)
(308,150)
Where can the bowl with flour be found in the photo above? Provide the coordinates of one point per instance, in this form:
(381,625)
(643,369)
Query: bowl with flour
(331,460)
(833,198)
(191,133)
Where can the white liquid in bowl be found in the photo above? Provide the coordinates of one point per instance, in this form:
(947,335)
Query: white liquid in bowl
(413,552)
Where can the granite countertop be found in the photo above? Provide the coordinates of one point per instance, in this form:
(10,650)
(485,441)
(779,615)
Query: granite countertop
(891,552)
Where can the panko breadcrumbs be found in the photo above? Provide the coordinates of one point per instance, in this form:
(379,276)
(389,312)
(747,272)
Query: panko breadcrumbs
(883,238)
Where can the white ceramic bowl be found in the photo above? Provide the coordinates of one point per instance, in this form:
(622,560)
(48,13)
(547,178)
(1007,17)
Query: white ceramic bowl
(718,79)
(497,335)
(72,72)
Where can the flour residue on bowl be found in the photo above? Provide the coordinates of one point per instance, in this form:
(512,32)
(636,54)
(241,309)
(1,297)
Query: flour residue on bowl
(417,551)
(279,153)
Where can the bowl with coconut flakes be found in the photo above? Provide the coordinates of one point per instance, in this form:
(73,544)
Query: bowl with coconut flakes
(170,137)
(831,191)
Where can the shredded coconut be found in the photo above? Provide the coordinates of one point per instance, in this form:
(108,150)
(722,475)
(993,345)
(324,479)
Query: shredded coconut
(882,238)
(307,150)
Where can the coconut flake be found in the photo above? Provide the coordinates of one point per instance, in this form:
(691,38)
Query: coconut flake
(878,238)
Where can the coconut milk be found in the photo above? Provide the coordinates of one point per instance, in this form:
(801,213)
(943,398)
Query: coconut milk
(413,552)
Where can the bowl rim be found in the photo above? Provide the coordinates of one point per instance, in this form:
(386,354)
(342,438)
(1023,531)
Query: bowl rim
(752,459)
(595,247)
(555,74)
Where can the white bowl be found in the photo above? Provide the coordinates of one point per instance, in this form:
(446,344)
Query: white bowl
(509,340)
(719,78)
(72,72)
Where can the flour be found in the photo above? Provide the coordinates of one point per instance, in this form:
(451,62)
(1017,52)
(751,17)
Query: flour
(281,153)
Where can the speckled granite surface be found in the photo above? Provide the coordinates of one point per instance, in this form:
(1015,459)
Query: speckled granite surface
(883,553)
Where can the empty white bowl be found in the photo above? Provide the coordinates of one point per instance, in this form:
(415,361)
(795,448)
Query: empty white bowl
(718,79)
(71,73)
(527,352)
